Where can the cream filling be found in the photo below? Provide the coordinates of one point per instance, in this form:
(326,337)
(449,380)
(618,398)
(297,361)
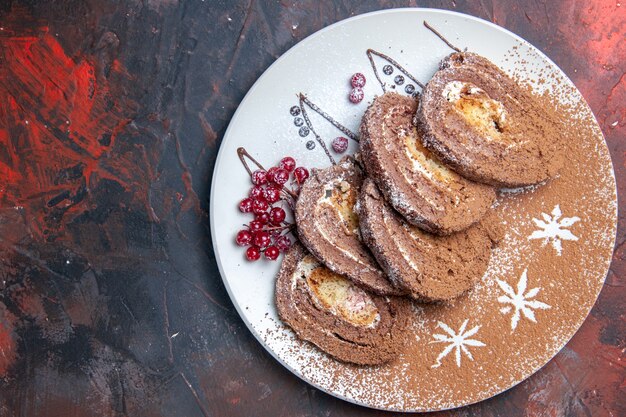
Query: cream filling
(304,269)
(401,248)
(452,91)
(327,200)
(418,154)
(339,296)
(416,190)
(420,166)
(346,252)
(478,109)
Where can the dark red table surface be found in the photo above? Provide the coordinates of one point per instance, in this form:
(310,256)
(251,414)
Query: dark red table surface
(111,116)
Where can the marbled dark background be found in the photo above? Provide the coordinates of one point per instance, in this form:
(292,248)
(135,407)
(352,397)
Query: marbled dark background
(111,114)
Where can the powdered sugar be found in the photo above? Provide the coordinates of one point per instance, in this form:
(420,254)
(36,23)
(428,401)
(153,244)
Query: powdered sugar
(552,228)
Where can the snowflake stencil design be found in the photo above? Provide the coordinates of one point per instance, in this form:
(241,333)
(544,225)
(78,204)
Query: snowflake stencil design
(521,300)
(552,228)
(458,341)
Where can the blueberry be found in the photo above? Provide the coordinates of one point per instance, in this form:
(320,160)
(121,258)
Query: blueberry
(310,145)
(388,69)
(295,110)
(399,80)
(304,131)
(410,88)
(298,121)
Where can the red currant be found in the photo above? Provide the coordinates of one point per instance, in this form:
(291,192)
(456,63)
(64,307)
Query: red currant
(283,243)
(259,177)
(262,218)
(270,174)
(358,80)
(244,238)
(356,95)
(277,215)
(255,226)
(262,239)
(253,253)
(271,194)
(256,192)
(245,206)
(301,174)
(272,253)
(340,144)
(281,176)
(288,163)
(259,205)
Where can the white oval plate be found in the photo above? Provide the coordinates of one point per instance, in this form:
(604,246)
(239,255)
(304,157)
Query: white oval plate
(425,378)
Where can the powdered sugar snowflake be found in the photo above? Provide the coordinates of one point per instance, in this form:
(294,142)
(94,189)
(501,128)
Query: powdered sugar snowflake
(523,303)
(458,341)
(552,228)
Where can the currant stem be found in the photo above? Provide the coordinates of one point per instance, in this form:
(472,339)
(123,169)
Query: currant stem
(392,61)
(304,99)
(317,137)
(288,226)
(242,154)
(289,193)
(440,36)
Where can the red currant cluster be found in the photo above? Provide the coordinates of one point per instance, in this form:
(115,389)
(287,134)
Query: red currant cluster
(267,233)
(357,82)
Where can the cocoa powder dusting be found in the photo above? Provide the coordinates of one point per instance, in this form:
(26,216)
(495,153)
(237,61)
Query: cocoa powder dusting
(544,276)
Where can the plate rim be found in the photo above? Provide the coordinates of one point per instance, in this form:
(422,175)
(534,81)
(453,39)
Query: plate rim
(302,43)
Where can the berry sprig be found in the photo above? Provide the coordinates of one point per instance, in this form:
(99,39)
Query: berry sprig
(267,233)
(388,70)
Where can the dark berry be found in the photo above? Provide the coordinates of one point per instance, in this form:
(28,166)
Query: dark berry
(271,253)
(244,238)
(245,206)
(295,110)
(301,174)
(259,177)
(255,225)
(298,121)
(409,89)
(356,95)
(399,79)
(271,194)
(310,145)
(281,176)
(262,239)
(304,131)
(340,144)
(277,215)
(256,192)
(253,253)
(259,206)
(262,218)
(388,69)
(357,80)
(288,163)
(283,243)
